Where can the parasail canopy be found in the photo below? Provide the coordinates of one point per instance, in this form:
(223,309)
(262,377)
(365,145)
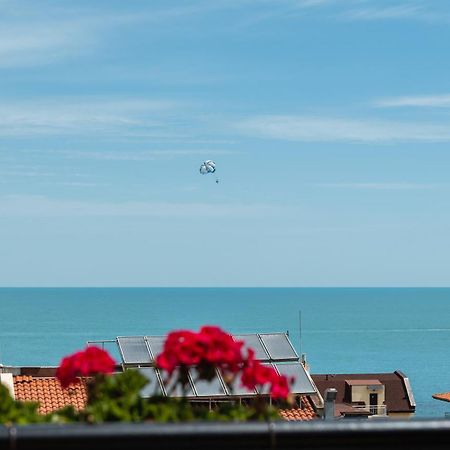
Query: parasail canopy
(208,167)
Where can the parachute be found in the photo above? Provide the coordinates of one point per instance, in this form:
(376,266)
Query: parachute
(208,167)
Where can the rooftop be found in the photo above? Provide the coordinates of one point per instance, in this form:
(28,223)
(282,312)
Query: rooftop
(363,382)
(49,393)
(444,396)
(51,396)
(398,393)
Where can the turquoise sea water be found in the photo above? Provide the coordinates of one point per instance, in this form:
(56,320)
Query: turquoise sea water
(342,330)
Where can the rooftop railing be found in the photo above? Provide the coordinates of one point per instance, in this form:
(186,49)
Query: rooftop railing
(376,410)
(341,434)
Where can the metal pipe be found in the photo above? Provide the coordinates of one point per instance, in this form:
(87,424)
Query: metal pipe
(329,399)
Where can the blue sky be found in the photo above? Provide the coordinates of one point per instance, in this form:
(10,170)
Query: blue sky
(329,122)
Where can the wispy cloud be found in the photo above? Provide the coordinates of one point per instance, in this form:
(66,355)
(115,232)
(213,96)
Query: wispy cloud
(434,101)
(25,173)
(270,10)
(348,10)
(38,34)
(329,129)
(40,206)
(376,10)
(82,184)
(380,12)
(138,155)
(29,38)
(66,116)
(381,186)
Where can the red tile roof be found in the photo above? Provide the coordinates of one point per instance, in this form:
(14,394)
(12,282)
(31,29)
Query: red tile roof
(49,393)
(51,396)
(444,397)
(306,412)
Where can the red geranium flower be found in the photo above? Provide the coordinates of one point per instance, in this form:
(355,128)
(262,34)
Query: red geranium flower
(89,362)
(280,387)
(210,348)
(256,376)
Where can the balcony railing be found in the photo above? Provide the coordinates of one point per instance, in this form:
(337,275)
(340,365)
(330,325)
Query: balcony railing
(414,434)
(376,410)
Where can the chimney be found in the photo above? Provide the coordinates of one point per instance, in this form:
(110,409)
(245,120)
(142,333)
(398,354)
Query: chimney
(330,398)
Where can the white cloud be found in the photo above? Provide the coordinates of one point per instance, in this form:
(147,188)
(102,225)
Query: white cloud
(350,10)
(121,120)
(39,33)
(138,155)
(378,12)
(37,40)
(330,129)
(25,173)
(40,206)
(436,101)
(79,184)
(85,115)
(382,186)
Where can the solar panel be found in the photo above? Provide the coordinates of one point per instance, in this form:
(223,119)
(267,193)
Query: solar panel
(156,344)
(266,388)
(213,388)
(177,392)
(133,350)
(302,383)
(279,347)
(253,341)
(237,390)
(154,386)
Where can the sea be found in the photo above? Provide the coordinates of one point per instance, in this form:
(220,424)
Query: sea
(340,330)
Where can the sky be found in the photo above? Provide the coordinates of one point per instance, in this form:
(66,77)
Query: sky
(328,121)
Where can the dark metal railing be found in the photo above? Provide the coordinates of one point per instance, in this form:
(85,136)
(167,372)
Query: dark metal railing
(343,434)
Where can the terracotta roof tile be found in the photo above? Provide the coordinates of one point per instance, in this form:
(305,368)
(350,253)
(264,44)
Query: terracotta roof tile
(51,396)
(445,396)
(306,412)
(49,393)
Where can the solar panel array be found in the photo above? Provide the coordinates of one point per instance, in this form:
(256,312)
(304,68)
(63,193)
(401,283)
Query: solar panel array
(217,388)
(134,350)
(273,349)
(143,350)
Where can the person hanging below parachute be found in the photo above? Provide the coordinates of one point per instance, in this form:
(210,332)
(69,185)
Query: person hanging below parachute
(208,167)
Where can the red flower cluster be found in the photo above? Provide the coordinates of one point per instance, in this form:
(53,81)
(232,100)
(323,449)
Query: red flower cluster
(85,363)
(210,347)
(255,375)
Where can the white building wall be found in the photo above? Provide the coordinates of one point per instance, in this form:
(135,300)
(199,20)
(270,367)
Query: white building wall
(7,380)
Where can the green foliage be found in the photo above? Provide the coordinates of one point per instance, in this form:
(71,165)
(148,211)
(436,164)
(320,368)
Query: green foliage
(12,411)
(165,409)
(117,399)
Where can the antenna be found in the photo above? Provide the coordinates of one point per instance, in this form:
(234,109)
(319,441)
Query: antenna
(300,331)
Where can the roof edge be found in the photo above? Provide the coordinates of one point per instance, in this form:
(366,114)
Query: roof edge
(407,385)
